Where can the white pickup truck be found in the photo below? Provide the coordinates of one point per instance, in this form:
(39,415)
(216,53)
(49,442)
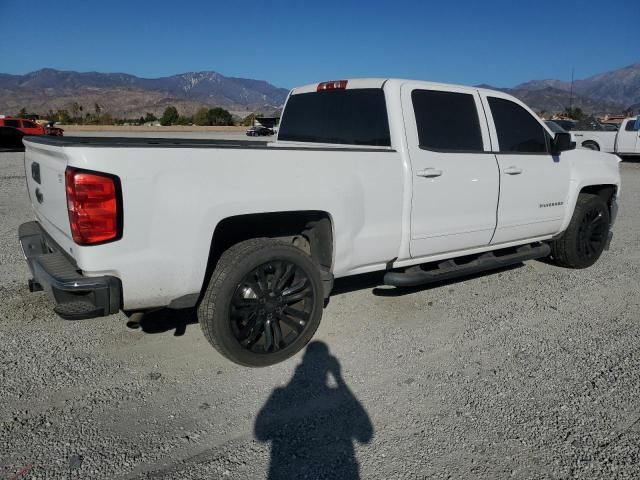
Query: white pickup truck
(624,142)
(423,181)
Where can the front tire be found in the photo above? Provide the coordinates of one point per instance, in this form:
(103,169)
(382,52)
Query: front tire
(591,146)
(583,242)
(263,303)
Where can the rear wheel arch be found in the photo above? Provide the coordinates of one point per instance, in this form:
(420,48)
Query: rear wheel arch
(311,231)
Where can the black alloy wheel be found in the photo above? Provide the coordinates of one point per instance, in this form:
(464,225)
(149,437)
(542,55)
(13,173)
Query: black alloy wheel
(592,234)
(586,236)
(271,306)
(263,302)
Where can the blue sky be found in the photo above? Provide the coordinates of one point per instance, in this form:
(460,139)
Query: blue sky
(501,43)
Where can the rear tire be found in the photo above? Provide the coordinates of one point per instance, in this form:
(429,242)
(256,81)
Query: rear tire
(583,242)
(263,303)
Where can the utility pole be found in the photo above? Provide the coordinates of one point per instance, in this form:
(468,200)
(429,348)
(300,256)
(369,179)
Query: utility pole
(571,92)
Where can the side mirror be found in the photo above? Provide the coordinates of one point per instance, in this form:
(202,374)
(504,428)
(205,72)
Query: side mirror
(562,142)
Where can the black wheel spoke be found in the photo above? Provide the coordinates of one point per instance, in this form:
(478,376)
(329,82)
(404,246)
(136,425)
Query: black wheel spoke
(297,314)
(262,279)
(278,271)
(268,336)
(295,324)
(277,334)
(288,273)
(252,334)
(297,292)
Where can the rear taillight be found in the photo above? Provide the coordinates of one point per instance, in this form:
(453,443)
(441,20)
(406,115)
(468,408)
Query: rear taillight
(93,202)
(332,85)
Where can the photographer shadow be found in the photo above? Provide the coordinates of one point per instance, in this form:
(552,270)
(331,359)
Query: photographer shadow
(313,422)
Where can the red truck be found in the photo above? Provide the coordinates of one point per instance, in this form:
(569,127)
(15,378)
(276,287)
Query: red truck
(29,127)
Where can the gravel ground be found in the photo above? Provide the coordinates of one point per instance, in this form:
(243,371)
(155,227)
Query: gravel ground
(530,372)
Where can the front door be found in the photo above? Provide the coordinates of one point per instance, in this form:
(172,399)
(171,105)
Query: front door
(455,175)
(534,184)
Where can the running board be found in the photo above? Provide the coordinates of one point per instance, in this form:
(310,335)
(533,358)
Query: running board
(457,267)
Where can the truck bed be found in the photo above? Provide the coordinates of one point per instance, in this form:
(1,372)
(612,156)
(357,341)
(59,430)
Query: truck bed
(152,142)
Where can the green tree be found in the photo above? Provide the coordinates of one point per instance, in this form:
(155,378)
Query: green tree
(150,117)
(201,117)
(170,116)
(23,113)
(62,116)
(219,116)
(575,113)
(183,120)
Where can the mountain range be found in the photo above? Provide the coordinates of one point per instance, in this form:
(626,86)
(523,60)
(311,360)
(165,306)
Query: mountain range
(125,95)
(610,92)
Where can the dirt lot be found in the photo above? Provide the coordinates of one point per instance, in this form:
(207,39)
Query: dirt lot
(531,372)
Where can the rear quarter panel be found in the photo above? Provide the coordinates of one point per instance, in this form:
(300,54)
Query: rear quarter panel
(173,198)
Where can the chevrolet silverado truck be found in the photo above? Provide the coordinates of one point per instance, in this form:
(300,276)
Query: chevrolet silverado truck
(424,181)
(624,142)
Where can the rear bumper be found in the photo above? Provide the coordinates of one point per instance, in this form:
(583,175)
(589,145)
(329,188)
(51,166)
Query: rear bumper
(75,295)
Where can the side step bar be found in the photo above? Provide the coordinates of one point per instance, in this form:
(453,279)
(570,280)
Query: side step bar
(448,269)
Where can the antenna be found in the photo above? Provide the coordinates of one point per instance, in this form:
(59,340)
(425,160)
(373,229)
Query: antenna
(571,92)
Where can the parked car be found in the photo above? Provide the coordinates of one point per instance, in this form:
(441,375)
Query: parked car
(50,129)
(423,181)
(11,139)
(566,124)
(29,127)
(625,141)
(259,132)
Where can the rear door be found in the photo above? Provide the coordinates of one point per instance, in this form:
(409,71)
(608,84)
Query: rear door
(628,137)
(455,175)
(534,184)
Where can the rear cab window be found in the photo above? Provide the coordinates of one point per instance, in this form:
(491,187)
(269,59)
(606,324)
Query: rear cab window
(345,117)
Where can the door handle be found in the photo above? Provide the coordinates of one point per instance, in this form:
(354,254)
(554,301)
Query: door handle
(513,170)
(429,172)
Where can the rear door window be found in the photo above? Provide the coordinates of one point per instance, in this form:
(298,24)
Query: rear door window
(12,123)
(518,131)
(349,117)
(447,121)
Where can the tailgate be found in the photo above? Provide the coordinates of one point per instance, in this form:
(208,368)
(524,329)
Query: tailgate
(45,167)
